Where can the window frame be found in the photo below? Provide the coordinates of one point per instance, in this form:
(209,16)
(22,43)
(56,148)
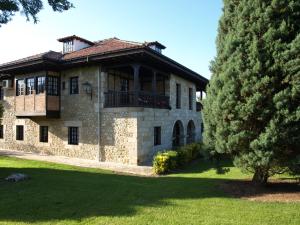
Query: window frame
(52,83)
(74,91)
(20,132)
(178,96)
(40,86)
(29,86)
(73,135)
(44,137)
(157,135)
(20,90)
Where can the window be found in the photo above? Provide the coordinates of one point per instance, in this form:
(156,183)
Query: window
(43,133)
(41,83)
(124,84)
(68,46)
(20,87)
(202,127)
(52,86)
(74,85)
(29,86)
(20,132)
(1,132)
(1,93)
(178,96)
(157,135)
(191,98)
(73,136)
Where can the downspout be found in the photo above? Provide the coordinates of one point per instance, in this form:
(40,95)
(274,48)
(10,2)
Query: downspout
(99,117)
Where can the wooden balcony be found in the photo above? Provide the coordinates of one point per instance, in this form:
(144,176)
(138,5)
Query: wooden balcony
(136,99)
(37,105)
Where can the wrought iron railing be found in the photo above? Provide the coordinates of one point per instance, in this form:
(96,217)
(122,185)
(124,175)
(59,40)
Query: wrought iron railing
(136,99)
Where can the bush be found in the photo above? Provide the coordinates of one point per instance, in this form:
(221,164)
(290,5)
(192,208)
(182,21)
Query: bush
(169,160)
(165,161)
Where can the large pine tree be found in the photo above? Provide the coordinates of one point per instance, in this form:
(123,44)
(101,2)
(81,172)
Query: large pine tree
(252,109)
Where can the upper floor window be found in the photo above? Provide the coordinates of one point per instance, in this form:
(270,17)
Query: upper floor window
(68,46)
(124,84)
(1,132)
(178,96)
(52,86)
(20,87)
(74,85)
(1,93)
(29,86)
(191,98)
(41,83)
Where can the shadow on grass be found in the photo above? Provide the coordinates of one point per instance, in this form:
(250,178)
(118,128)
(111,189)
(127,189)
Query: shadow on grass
(54,194)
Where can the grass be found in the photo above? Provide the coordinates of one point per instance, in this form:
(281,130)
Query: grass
(60,194)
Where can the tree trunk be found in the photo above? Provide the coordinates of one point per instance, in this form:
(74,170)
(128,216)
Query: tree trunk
(260,177)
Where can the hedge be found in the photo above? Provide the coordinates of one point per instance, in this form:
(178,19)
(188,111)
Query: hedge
(169,160)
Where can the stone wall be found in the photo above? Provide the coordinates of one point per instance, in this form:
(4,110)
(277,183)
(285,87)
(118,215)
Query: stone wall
(125,134)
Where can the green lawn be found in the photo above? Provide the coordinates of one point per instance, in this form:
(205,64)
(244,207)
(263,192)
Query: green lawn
(60,194)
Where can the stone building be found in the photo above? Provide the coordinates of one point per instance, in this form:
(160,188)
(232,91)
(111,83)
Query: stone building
(111,100)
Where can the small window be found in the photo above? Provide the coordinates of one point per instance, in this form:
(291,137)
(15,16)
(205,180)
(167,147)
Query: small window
(202,127)
(157,135)
(68,46)
(1,93)
(20,87)
(191,98)
(52,85)
(1,132)
(124,83)
(43,133)
(178,96)
(29,86)
(20,132)
(74,85)
(73,136)
(41,83)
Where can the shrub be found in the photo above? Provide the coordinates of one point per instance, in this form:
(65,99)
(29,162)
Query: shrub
(169,160)
(165,162)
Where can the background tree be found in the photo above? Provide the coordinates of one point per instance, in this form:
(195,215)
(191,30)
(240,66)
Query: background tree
(252,109)
(30,8)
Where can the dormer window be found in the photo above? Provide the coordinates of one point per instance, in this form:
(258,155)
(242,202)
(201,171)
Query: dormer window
(156,46)
(74,43)
(68,46)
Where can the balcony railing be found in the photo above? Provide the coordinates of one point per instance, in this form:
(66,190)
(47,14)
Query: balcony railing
(136,99)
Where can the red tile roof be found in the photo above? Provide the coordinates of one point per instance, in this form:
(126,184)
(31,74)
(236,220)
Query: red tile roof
(104,46)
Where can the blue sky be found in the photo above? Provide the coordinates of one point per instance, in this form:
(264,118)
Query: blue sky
(188,28)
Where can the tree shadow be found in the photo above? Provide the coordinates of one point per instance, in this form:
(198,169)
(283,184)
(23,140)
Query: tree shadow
(52,194)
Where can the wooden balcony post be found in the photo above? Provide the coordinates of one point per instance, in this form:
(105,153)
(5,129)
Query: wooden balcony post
(136,82)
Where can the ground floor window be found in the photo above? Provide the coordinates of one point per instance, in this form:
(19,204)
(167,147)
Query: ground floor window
(73,135)
(157,135)
(20,132)
(43,133)
(1,132)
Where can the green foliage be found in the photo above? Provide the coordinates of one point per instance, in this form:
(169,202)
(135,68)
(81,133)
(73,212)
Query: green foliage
(165,161)
(30,8)
(169,160)
(252,109)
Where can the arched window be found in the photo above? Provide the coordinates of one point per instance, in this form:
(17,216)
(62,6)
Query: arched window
(190,132)
(178,134)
